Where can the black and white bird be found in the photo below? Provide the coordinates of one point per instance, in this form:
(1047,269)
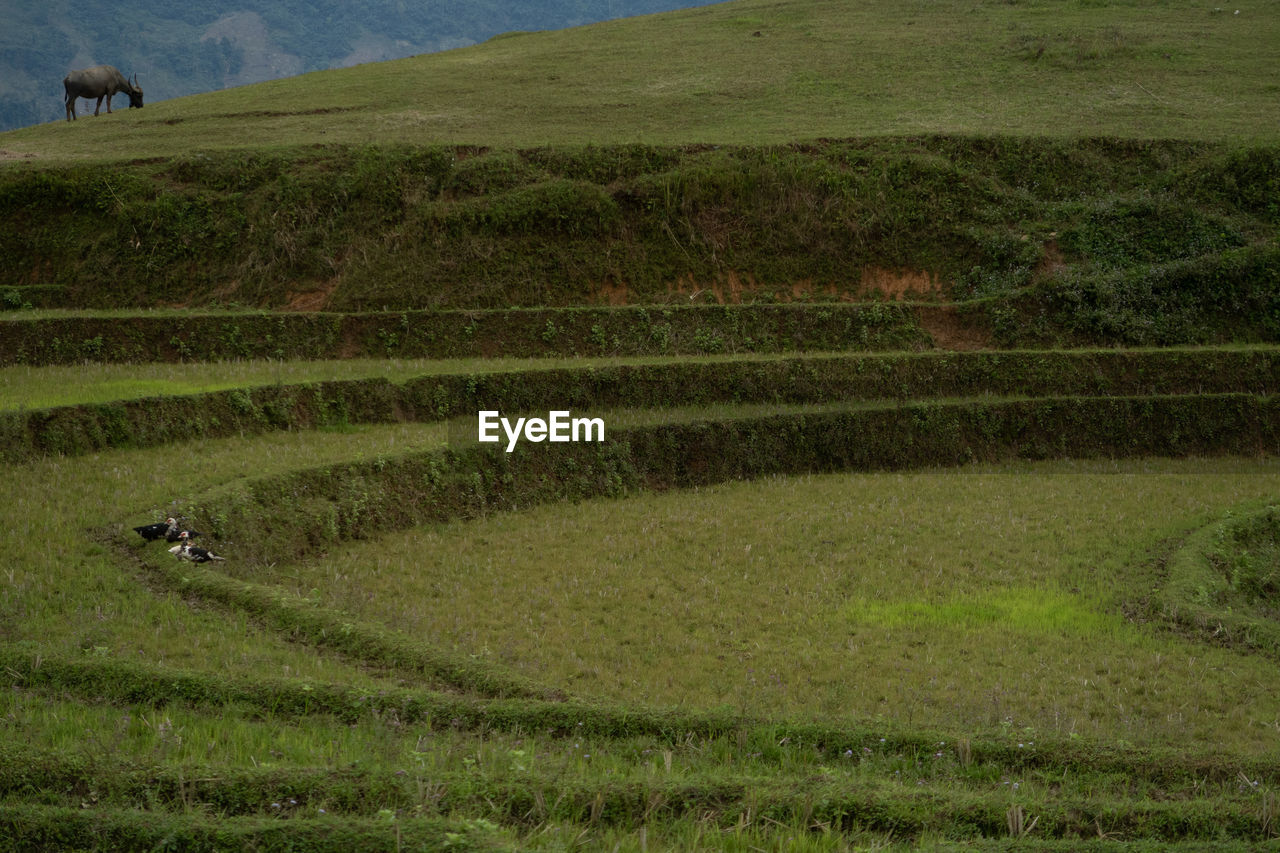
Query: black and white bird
(159,530)
(184,550)
(169,530)
(177,534)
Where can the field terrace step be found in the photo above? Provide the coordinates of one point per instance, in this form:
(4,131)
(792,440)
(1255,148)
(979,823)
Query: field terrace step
(286,517)
(795,380)
(70,338)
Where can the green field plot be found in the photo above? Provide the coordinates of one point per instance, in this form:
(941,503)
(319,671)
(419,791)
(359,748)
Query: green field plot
(956,599)
(53,386)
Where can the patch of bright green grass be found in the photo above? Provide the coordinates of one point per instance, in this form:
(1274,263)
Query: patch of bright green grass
(1022,611)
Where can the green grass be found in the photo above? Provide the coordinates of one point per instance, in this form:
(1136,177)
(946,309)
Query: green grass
(30,387)
(983,597)
(67,594)
(799,663)
(23,387)
(1081,653)
(817,68)
(407,776)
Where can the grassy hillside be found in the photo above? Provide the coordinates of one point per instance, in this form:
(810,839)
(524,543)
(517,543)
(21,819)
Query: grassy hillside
(752,71)
(181,50)
(740,665)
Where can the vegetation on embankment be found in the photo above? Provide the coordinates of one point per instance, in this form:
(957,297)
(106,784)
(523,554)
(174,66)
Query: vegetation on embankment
(306,511)
(1225,581)
(755,749)
(1113,241)
(155,420)
(687,329)
(662,785)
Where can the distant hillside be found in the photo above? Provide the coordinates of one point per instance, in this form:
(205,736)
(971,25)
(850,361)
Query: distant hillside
(181,50)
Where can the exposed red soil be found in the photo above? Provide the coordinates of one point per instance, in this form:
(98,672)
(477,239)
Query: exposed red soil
(311,300)
(901,284)
(735,287)
(948,328)
(1051,260)
(614,293)
(944,323)
(950,331)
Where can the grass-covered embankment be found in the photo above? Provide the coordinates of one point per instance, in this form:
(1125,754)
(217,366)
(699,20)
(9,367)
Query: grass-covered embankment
(1112,241)
(173,336)
(306,511)
(151,420)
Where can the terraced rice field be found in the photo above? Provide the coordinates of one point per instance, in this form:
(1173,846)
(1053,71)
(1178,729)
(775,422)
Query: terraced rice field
(792,601)
(935,350)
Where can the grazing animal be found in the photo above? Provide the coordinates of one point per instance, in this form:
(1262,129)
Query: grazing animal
(184,550)
(100,81)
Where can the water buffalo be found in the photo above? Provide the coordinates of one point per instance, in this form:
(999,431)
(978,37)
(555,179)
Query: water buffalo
(100,81)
